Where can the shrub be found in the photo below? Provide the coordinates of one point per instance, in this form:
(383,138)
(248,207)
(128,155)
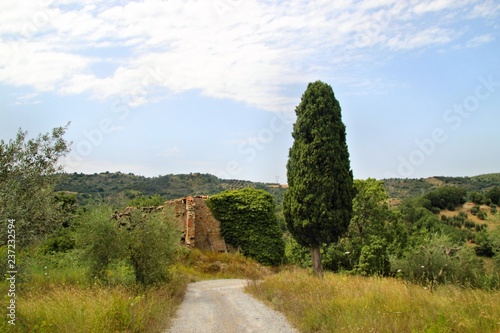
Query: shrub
(469,224)
(477,198)
(150,246)
(374,259)
(447,197)
(439,261)
(147,244)
(494,195)
(248,221)
(481,215)
(474,210)
(99,238)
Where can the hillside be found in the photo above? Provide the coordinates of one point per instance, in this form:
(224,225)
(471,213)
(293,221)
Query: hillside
(407,188)
(119,187)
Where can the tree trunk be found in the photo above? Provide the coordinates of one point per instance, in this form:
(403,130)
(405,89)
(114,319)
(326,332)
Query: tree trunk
(316,260)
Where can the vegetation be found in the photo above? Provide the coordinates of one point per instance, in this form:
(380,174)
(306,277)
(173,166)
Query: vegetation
(27,169)
(427,263)
(248,221)
(318,204)
(342,303)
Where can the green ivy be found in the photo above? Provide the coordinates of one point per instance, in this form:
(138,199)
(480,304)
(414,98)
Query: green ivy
(248,221)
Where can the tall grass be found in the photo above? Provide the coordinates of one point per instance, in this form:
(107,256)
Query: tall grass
(69,307)
(341,303)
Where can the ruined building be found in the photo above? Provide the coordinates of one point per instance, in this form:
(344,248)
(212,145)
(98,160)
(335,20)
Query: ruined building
(199,227)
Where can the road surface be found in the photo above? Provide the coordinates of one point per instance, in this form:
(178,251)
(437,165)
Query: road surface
(221,306)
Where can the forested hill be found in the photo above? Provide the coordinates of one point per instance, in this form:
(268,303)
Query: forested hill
(405,188)
(120,186)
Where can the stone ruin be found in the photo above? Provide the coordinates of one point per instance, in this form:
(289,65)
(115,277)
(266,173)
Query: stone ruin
(199,227)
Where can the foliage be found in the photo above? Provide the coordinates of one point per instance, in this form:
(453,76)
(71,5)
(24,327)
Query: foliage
(447,197)
(477,197)
(98,236)
(147,201)
(439,261)
(148,244)
(248,221)
(318,204)
(375,230)
(27,179)
(494,195)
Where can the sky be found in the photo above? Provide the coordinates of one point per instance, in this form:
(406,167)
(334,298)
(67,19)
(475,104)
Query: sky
(166,87)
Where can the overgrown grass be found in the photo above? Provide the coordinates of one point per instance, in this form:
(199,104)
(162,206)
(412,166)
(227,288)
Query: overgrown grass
(54,292)
(70,308)
(341,303)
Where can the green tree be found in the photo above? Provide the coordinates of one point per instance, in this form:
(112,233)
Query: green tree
(494,195)
(447,197)
(28,170)
(151,244)
(375,230)
(477,197)
(318,204)
(145,241)
(248,221)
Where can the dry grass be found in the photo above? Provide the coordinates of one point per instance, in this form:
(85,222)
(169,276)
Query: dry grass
(61,298)
(492,220)
(198,265)
(71,308)
(340,303)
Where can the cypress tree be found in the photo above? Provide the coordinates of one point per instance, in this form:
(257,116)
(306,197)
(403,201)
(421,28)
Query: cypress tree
(318,204)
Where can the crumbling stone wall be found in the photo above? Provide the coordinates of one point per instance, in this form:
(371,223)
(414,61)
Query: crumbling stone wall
(199,227)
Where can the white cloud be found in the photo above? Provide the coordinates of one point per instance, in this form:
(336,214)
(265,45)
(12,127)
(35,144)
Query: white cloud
(480,40)
(427,37)
(246,51)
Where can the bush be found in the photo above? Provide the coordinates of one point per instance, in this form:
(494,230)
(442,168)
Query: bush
(481,215)
(99,238)
(439,261)
(248,221)
(150,246)
(374,259)
(474,210)
(469,224)
(477,198)
(147,244)
(494,195)
(447,197)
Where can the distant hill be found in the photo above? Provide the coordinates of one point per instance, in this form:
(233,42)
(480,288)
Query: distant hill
(406,188)
(120,187)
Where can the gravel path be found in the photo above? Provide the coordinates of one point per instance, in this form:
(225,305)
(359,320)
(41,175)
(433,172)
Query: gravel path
(221,306)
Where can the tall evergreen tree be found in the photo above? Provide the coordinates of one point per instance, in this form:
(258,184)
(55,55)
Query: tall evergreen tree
(318,204)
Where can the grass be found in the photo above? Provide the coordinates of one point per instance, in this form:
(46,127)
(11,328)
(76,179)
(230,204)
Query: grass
(341,303)
(55,295)
(65,301)
(198,265)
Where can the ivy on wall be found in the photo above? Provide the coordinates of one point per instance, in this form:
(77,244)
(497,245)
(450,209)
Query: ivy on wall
(248,221)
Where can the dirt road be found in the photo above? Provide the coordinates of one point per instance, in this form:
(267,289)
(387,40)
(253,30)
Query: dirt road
(221,306)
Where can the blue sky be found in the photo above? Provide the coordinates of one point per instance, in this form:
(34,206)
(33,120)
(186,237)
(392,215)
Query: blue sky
(164,87)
